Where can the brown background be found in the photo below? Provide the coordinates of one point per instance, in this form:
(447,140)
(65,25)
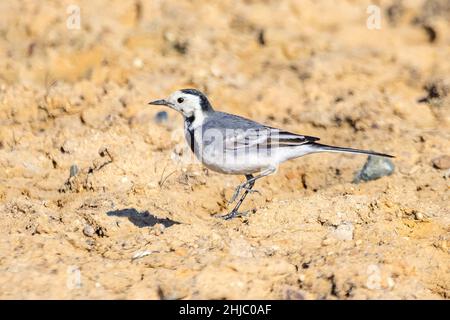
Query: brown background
(311,67)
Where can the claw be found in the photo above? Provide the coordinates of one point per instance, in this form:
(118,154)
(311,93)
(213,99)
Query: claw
(233,214)
(254,191)
(229,216)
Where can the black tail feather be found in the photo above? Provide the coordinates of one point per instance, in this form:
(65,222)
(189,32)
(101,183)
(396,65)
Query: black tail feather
(324,147)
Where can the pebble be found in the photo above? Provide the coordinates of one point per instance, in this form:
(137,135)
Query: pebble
(293,294)
(161,117)
(68,146)
(158,229)
(344,232)
(73,170)
(88,230)
(374,168)
(161,227)
(447,174)
(418,215)
(141,254)
(442,162)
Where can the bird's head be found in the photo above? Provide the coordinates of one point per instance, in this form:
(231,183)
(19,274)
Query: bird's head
(189,102)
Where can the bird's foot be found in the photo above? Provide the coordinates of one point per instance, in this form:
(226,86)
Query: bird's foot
(233,214)
(246,186)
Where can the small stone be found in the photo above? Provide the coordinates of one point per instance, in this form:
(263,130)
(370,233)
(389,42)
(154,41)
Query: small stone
(446,174)
(141,254)
(418,215)
(442,162)
(68,146)
(158,229)
(344,232)
(138,63)
(161,117)
(88,230)
(328,241)
(161,227)
(73,170)
(390,283)
(374,168)
(292,293)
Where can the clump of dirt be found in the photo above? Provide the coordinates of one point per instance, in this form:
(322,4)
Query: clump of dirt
(99,200)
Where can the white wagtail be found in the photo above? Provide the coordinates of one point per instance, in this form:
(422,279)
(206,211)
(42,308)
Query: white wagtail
(231,144)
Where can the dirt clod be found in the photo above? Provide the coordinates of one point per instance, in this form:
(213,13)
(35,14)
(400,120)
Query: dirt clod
(441,162)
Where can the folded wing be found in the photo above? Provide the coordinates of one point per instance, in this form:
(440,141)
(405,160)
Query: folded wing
(264,138)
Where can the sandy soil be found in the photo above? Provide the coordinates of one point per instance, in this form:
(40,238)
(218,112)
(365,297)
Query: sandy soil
(135,222)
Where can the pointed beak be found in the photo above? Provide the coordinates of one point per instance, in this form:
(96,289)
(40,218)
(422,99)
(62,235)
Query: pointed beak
(161,102)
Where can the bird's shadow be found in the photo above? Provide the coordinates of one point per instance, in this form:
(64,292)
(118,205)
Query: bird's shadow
(141,219)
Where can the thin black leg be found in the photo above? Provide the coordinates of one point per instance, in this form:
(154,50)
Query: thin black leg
(244,185)
(234,212)
(249,185)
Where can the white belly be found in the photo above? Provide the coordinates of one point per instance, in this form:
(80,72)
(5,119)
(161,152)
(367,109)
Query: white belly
(245,164)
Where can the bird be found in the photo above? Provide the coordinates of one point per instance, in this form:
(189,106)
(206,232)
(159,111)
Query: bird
(231,144)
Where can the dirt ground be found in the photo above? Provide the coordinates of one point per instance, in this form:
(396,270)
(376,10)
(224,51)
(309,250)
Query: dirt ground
(97,202)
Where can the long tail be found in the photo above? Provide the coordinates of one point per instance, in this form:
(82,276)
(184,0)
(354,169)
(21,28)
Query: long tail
(318,147)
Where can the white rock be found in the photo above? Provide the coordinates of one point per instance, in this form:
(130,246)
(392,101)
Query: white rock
(141,254)
(418,215)
(344,231)
(88,230)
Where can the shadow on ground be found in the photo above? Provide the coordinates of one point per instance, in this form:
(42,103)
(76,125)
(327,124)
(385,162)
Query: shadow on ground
(141,219)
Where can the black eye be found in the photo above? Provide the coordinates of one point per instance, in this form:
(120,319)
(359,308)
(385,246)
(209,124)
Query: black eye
(180,100)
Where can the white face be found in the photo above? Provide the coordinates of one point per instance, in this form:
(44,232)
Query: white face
(187,104)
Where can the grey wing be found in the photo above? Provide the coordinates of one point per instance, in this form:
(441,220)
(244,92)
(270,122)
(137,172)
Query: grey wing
(265,137)
(238,132)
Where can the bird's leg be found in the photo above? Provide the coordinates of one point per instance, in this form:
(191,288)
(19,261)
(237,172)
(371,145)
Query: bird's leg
(249,185)
(245,185)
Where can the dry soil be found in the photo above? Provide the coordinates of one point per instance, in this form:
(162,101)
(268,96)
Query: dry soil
(136,220)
